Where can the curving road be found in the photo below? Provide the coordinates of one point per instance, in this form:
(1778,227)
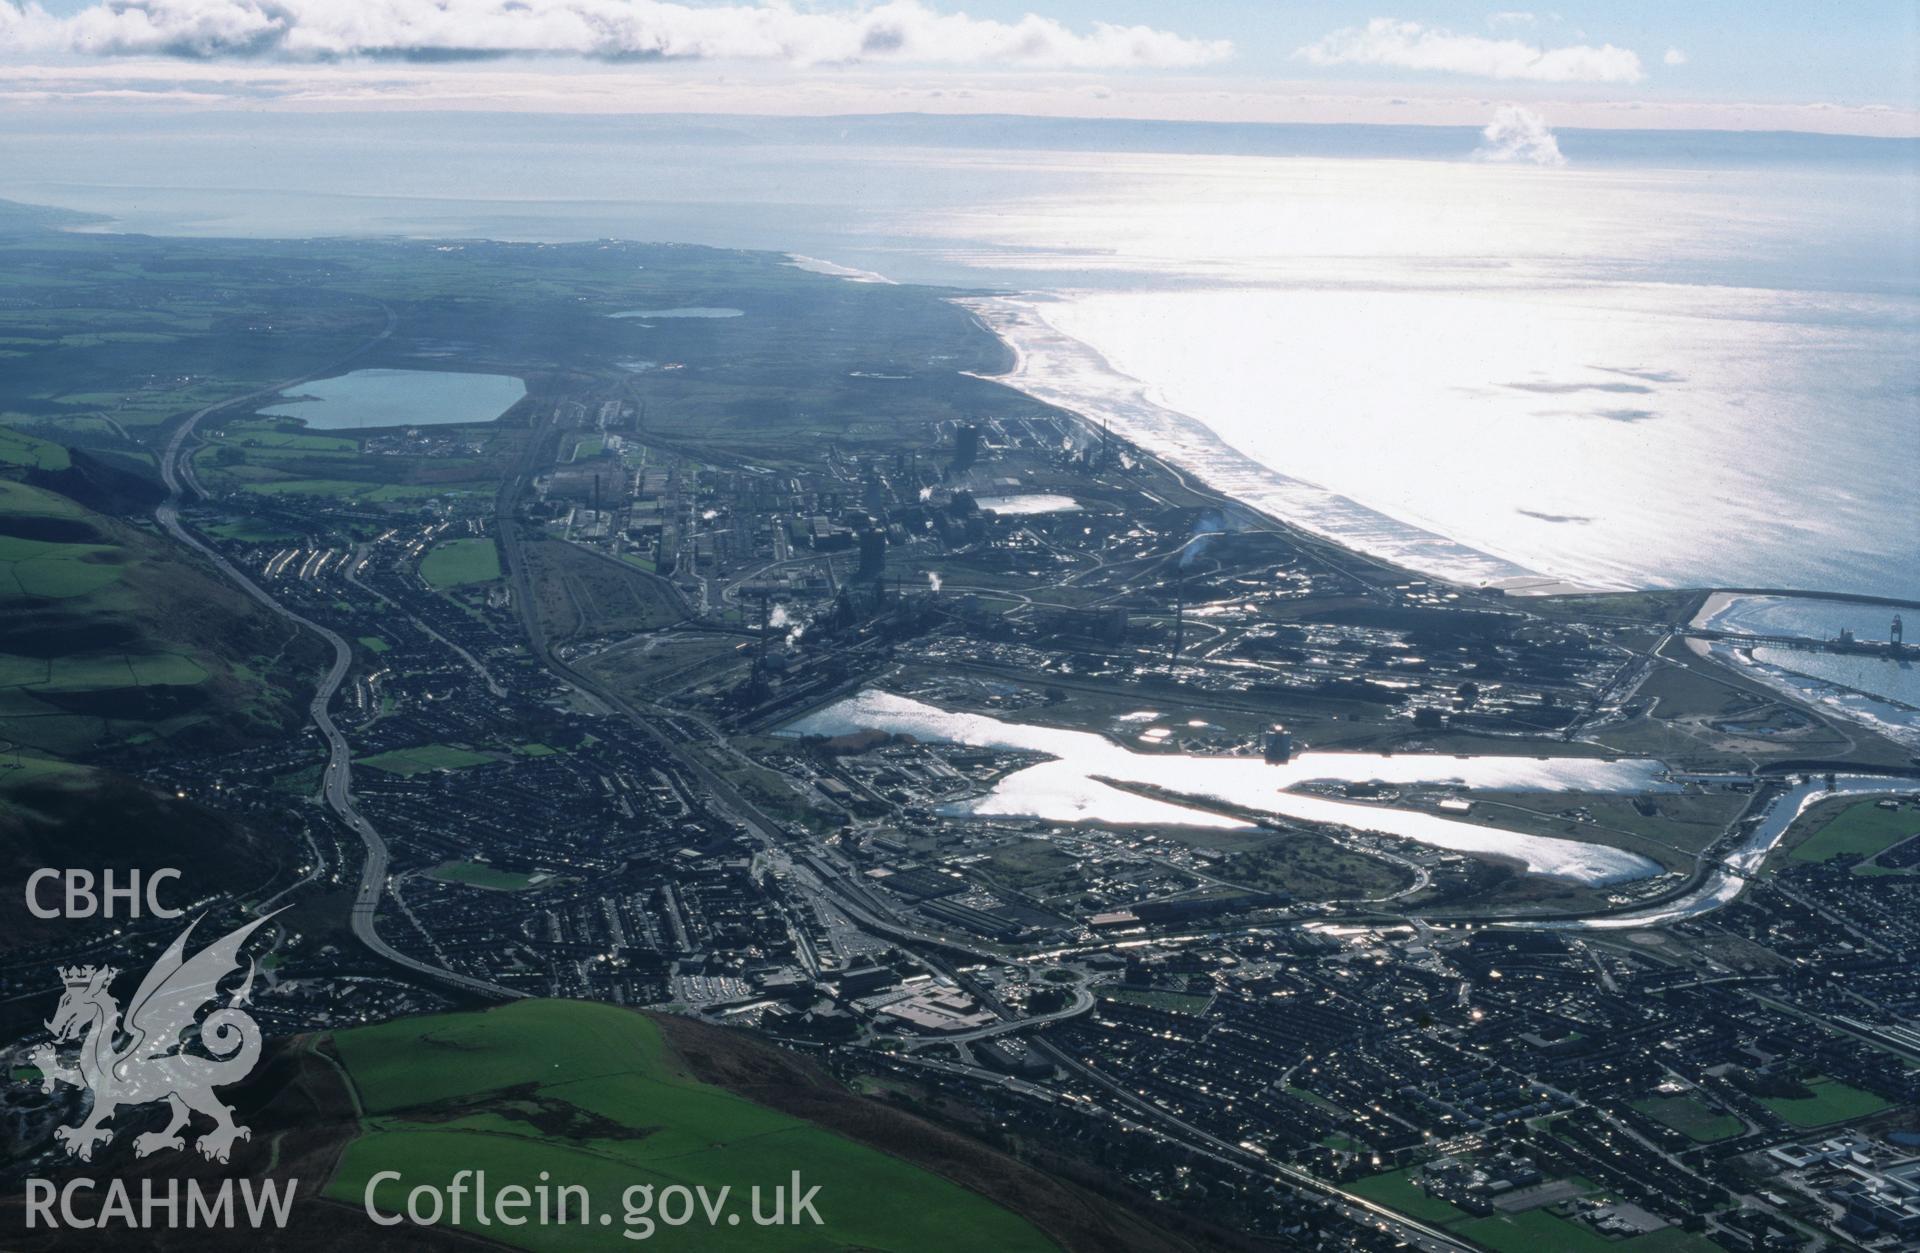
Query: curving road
(473,662)
(337,788)
(1082,1002)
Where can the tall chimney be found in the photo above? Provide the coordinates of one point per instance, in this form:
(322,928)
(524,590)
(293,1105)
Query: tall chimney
(1179,618)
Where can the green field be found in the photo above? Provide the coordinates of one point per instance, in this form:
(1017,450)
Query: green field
(1540,1230)
(20,500)
(1159,998)
(590,1094)
(100,672)
(19,449)
(90,674)
(1862,830)
(475,874)
(43,557)
(424,758)
(272,458)
(1831,1102)
(353,490)
(19,770)
(1531,1231)
(1690,1118)
(289,435)
(90,607)
(1397,1191)
(251,532)
(459,562)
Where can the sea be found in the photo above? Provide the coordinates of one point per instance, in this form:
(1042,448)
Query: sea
(1679,359)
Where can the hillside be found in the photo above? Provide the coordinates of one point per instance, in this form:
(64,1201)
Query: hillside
(112,640)
(50,808)
(117,649)
(609,1098)
(594,1095)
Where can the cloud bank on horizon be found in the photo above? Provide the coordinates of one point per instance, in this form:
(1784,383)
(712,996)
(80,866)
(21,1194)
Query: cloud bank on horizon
(1222,62)
(906,31)
(1394,44)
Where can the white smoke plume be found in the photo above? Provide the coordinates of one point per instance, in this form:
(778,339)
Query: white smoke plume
(777,616)
(1205,531)
(1518,134)
(933,579)
(613,30)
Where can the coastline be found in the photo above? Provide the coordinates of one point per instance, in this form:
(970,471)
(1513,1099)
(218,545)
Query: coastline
(1884,712)
(1197,456)
(1046,364)
(833,269)
(1058,370)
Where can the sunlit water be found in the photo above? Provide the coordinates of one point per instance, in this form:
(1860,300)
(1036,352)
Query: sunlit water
(384,398)
(1618,378)
(1684,358)
(1882,691)
(1727,882)
(1032,503)
(707,312)
(1074,786)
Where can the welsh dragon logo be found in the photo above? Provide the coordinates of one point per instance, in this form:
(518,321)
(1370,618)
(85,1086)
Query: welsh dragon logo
(144,1058)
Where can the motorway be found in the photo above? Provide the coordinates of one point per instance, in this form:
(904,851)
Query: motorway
(336,789)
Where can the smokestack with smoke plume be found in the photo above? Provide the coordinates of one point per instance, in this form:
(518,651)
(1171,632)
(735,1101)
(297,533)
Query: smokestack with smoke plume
(1179,619)
(1205,531)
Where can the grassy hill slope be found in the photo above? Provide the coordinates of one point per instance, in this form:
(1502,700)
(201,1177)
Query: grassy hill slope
(49,809)
(608,1098)
(111,639)
(592,1095)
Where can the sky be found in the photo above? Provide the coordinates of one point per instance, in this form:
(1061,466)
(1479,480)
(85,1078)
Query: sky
(1850,68)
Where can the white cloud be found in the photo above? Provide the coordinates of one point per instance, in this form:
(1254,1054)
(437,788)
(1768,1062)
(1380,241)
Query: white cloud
(1511,18)
(314,30)
(773,89)
(1518,134)
(1675,57)
(1411,46)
